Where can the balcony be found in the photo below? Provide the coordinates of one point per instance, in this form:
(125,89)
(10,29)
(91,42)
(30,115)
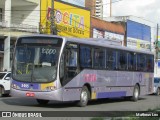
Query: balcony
(24,2)
(20,27)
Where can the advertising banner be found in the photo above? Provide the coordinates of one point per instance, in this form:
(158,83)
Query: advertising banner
(138,35)
(69,20)
(138,44)
(98,33)
(108,35)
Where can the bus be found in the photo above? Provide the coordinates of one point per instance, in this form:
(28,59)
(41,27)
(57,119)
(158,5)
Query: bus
(50,67)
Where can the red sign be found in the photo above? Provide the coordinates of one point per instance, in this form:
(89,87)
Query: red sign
(90,77)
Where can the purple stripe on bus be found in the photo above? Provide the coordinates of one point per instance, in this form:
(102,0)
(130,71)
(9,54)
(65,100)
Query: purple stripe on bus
(25,85)
(111,94)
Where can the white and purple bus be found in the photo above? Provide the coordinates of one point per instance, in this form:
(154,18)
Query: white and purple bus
(49,67)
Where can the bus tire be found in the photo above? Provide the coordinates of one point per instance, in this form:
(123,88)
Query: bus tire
(84,97)
(158,91)
(136,92)
(1,91)
(42,102)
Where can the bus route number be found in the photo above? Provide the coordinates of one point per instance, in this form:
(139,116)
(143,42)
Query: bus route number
(24,85)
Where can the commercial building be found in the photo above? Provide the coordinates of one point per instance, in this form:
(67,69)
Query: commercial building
(70,20)
(17,17)
(96,7)
(139,33)
(108,30)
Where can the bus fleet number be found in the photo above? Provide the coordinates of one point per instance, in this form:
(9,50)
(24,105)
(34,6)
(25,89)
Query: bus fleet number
(24,85)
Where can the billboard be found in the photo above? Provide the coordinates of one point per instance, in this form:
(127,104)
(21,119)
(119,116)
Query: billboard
(76,2)
(69,20)
(108,35)
(138,35)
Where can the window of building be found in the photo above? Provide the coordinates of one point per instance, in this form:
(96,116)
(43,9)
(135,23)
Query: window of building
(0,14)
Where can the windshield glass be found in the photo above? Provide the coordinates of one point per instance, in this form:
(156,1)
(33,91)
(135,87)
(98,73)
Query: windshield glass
(36,61)
(2,75)
(156,80)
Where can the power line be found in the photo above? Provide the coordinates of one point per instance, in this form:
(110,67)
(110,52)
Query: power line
(67,8)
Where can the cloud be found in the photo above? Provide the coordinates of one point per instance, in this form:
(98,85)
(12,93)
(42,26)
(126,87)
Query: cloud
(148,9)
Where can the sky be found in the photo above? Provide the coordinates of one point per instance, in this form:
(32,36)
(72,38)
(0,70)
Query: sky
(146,9)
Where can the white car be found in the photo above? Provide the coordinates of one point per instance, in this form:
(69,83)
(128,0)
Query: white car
(157,85)
(5,83)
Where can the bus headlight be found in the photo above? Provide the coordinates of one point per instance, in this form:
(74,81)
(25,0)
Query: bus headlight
(51,88)
(14,86)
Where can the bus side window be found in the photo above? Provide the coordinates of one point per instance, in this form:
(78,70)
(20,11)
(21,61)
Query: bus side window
(122,60)
(99,58)
(85,56)
(111,60)
(131,61)
(141,62)
(149,64)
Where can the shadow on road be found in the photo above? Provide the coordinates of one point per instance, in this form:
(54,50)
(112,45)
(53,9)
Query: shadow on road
(54,104)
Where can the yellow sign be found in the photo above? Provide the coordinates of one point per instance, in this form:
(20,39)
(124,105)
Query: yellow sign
(69,20)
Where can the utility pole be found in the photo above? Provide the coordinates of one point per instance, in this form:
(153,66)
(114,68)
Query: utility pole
(110,8)
(157,50)
(52,27)
(157,45)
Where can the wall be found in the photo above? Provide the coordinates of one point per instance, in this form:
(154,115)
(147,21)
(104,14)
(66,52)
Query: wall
(26,17)
(90,5)
(104,29)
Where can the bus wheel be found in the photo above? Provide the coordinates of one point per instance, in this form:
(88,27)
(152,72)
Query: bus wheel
(158,91)
(42,102)
(84,97)
(1,91)
(135,93)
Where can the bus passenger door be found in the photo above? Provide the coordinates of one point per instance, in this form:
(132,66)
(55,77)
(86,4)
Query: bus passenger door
(71,62)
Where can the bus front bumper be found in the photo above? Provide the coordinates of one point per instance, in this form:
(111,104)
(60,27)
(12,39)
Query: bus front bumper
(51,95)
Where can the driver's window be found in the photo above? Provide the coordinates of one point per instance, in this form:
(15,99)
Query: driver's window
(70,65)
(71,55)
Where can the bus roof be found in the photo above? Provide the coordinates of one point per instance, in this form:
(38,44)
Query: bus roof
(95,42)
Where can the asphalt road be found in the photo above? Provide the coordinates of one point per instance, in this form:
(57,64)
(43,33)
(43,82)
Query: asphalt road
(22,104)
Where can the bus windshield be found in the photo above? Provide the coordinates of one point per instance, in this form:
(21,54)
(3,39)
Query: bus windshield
(36,59)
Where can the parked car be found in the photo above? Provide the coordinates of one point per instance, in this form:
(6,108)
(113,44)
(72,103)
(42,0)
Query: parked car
(157,85)
(5,83)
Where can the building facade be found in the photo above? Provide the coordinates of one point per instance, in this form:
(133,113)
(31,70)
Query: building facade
(111,31)
(74,21)
(139,33)
(17,17)
(96,7)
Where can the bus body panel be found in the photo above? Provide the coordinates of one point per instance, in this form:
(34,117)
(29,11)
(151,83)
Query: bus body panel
(103,83)
(108,84)
(52,95)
